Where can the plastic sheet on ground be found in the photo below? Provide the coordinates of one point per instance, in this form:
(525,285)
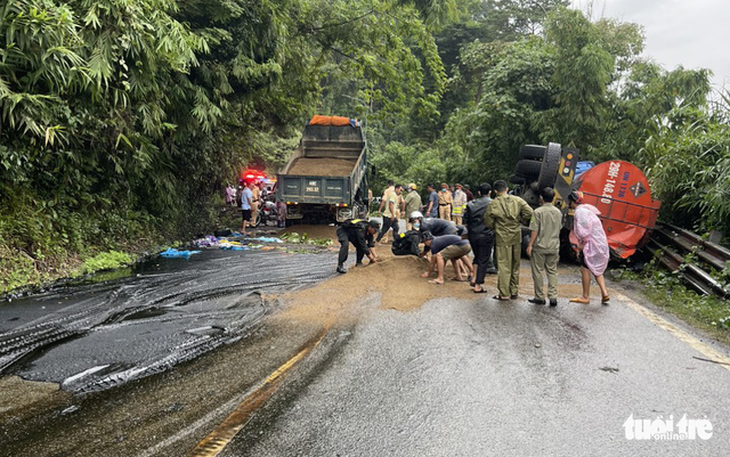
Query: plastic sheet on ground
(235,242)
(174,253)
(265,239)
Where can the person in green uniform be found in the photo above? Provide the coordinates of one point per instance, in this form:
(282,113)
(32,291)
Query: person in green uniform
(544,247)
(411,204)
(505,215)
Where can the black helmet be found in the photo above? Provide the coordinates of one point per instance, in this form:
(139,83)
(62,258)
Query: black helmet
(426,236)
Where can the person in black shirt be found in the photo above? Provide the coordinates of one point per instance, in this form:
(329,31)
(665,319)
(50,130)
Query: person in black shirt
(360,233)
(480,237)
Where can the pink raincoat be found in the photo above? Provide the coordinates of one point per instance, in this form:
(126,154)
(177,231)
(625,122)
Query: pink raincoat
(589,231)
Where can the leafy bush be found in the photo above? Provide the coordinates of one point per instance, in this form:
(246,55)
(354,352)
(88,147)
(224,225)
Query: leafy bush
(105,261)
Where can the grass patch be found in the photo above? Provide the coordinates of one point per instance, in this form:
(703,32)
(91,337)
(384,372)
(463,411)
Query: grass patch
(668,292)
(110,260)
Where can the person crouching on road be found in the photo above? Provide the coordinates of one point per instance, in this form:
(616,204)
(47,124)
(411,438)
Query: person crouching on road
(504,215)
(445,248)
(390,215)
(592,246)
(544,247)
(360,233)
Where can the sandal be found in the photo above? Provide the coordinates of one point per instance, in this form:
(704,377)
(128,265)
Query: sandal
(605,299)
(500,298)
(580,300)
(433,281)
(482,291)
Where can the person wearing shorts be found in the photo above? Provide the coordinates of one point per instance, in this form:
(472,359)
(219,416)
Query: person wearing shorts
(445,248)
(246,206)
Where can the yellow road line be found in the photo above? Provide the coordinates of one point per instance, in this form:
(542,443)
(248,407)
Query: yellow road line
(221,436)
(703,348)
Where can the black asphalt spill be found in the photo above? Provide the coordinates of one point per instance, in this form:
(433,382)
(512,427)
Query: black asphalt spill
(90,337)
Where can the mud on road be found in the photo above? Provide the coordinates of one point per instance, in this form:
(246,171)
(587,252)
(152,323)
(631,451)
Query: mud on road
(167,414)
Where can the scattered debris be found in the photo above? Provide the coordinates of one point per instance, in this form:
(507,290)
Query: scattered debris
(69,410)
(609,369)
(174,253)
(711,361)
(303,238)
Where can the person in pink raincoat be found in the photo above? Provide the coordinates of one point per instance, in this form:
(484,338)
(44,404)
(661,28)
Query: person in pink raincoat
(592,246)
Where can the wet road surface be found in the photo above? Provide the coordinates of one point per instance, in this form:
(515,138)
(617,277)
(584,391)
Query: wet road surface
(168,311)
(477,377)
(344,368)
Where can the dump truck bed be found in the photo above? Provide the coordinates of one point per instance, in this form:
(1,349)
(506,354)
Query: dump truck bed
(322,166)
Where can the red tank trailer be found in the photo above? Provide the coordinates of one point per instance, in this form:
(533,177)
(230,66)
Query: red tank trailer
(622,194)
(617,188)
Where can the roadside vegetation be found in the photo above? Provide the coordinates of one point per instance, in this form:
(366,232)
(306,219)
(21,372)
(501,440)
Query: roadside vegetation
(121,122)
(667,291)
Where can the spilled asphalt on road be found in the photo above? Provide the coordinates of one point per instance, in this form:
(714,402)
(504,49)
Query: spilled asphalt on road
(375,362)
(168,311)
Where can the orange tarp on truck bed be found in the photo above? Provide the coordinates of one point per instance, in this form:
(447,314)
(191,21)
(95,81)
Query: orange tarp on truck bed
(337,121)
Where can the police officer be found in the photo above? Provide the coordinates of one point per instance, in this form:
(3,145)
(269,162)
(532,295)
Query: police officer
(360,233)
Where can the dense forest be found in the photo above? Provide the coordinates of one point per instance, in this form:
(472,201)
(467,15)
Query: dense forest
(123,120)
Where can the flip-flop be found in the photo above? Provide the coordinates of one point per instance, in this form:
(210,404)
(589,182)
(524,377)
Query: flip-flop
(497,297)
(433,281)
(483,291)
(580,300)
(605,299)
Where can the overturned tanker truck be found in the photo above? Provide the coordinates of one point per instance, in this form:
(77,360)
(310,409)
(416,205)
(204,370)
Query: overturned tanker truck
(617,188)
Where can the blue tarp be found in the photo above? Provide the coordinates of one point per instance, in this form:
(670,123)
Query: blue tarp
(172,253)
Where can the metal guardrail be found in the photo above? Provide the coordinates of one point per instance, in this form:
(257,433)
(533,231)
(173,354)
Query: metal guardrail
(670,244)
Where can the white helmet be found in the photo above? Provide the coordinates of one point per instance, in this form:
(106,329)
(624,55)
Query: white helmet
(416,215)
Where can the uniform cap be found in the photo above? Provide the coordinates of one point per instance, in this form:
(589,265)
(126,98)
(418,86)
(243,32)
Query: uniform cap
(412,186)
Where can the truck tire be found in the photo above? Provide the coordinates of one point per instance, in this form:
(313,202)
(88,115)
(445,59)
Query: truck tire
(529,168)
(515,179)
(549,166)
(531,197)
(532,151)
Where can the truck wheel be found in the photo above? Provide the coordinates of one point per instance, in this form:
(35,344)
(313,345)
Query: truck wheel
(515,179)
(532,151)
(531,197)
(529,168)
(549,166)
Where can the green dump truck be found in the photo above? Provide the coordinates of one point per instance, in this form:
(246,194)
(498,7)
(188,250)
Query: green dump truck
(325,180)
